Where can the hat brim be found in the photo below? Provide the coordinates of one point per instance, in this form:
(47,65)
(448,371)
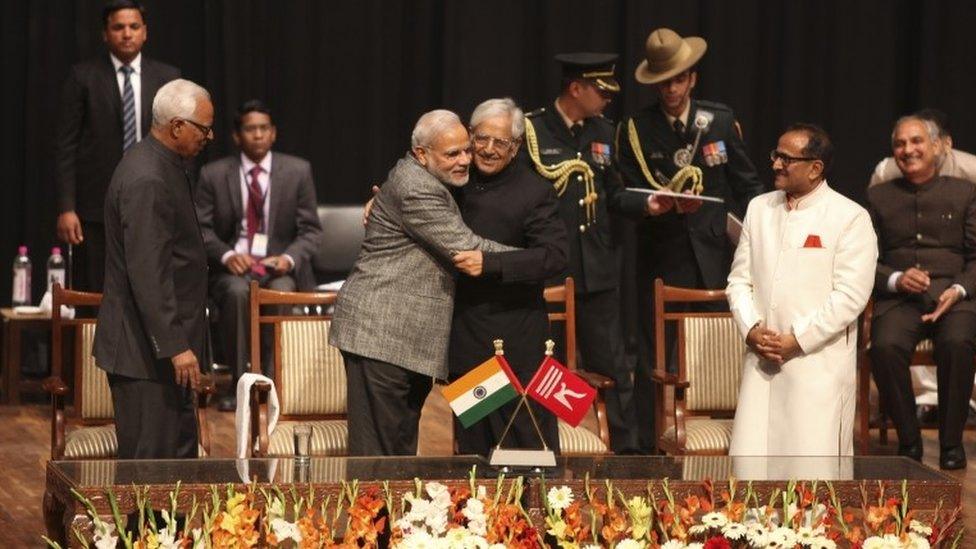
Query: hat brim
(607,84)
(645,76)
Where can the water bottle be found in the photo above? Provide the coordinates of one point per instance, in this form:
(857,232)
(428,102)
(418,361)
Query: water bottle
(55,269)
(22,278)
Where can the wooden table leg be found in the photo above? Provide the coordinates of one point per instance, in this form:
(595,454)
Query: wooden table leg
(5,363)
(13,362)
(54,518)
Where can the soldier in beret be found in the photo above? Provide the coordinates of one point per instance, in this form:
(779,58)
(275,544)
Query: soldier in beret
(683,242)
(570,143)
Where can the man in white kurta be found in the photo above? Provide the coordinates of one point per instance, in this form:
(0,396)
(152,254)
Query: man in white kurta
(802,273)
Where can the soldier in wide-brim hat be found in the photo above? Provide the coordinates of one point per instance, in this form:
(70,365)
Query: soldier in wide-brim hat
(683,241)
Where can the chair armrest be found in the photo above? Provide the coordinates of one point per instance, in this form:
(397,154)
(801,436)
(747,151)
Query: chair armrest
(595,380)
(55,385)
(259,418)
(670,379)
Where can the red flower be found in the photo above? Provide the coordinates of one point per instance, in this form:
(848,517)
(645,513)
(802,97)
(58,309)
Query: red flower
(718,542)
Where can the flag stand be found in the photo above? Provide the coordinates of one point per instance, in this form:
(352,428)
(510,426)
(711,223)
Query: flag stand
(504,457)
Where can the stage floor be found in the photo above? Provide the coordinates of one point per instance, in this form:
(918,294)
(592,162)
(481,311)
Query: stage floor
(25,446)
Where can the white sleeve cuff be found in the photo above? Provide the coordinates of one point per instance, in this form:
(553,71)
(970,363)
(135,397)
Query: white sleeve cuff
(226,256)
(960,289)
(290,259)
(893,281)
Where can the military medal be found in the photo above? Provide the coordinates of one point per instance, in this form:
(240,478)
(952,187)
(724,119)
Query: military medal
(682,156)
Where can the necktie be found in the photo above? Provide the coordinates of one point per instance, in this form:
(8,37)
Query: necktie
(679,127)
(128,109)
(576,129)
(255,205)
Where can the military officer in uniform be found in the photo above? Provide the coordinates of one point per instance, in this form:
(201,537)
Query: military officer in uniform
(571,144)
(681,241)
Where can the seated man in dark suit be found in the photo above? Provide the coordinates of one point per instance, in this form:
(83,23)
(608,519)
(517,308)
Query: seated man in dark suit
(258,217)
(925,281)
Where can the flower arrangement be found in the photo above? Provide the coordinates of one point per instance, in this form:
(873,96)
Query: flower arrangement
(470,516)
(794,517)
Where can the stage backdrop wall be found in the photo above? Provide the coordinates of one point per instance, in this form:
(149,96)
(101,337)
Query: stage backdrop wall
(346,80)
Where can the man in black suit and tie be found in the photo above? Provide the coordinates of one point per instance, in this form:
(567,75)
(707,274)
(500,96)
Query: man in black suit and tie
(151,335)
(257,212)
(106,108)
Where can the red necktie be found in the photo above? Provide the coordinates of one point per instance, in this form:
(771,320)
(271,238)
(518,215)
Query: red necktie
(255,206)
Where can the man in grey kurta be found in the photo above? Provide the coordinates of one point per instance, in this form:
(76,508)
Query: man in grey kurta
(393,315)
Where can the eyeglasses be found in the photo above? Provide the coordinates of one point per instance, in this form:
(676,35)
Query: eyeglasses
(207,131)
(485,141)
(786,159)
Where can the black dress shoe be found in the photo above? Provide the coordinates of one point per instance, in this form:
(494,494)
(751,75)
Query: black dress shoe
(953,457)
(227,404)
(913,451)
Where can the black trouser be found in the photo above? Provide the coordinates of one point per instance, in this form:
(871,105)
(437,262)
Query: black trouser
(88,259)
(599,337)
(153,419)
(384,403)
(232,294)
(894,336)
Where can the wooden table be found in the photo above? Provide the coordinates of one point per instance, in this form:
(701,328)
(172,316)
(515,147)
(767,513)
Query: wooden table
(629,474)
(10,378)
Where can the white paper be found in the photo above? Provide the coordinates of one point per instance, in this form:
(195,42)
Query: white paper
(678,195)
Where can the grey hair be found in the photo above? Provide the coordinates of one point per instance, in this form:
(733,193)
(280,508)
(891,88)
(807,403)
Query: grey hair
(177,99)
(430,125)
(935,134)
(500,107)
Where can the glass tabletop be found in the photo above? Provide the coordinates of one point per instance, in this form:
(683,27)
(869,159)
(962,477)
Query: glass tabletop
(334,469)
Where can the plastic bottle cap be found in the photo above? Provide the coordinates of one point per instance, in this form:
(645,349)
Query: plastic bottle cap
(22,250)
(56,250)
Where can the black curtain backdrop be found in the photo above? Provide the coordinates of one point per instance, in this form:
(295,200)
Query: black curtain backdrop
(347,80)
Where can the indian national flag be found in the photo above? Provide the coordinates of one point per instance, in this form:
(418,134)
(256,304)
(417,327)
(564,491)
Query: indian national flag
(482,390)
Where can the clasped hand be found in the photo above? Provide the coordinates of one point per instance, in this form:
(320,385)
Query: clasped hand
(772,345)
(917,281)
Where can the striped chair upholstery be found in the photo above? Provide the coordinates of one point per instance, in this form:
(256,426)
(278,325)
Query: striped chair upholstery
(717,468)
(704,435)
(579,440)
(924,346)
(91,442)
(313,377)
(313,382)
(95,395)
(714,350)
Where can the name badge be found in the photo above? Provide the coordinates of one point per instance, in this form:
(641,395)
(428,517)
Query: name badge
(259,245)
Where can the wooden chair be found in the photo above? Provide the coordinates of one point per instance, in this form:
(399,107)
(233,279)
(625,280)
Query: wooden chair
(86,430)
(309,375)
(923,356)
(578,440)
(704,391)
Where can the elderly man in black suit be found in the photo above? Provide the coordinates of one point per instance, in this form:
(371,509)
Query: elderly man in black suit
(925,282)
(151,335)
(257,212)
(106,108)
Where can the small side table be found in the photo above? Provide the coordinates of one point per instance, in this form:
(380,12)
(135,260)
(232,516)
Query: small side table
(13,326)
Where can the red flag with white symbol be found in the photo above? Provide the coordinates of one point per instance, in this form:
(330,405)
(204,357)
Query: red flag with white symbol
(561,391)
